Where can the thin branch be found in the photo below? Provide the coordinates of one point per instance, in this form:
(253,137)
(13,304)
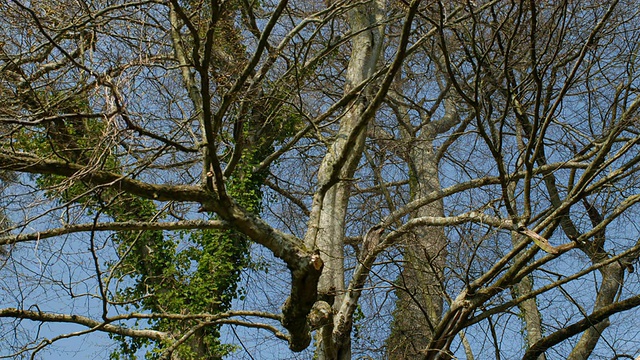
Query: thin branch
(85,321)
(115,226)
(568,331)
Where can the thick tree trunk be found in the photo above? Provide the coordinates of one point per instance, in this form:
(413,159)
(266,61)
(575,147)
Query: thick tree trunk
(420,301)
(330,243)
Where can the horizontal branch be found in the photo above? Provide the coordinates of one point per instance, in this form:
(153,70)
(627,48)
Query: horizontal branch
(115,226)
(200,316)
(472,216)
(85,321)
(108,327)
(27,163)
(277,333)
(473,184)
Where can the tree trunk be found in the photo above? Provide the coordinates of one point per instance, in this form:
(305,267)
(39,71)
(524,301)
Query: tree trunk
(420,300)
(420,296)
(528,308)
(612,276)
(327,220)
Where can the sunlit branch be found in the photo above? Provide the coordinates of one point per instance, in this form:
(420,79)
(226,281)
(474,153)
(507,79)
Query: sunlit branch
(82,320)
(471,184)
(115,226)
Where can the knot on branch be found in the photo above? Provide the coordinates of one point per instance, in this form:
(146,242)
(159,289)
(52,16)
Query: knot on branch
(321,314)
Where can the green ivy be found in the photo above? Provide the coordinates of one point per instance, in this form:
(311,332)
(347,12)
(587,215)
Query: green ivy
(202,277)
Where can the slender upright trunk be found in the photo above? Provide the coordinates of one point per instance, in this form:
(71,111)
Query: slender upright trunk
(327,220)
(528,308)
(612,276)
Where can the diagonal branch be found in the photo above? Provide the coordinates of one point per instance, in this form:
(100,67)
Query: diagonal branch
(568,331)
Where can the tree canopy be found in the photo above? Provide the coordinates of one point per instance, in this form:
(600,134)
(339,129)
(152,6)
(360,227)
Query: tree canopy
(201,179)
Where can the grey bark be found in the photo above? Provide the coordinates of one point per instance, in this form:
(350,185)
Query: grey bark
(420,301)
(420,295)
(528,308)
(611,281)
(327,219)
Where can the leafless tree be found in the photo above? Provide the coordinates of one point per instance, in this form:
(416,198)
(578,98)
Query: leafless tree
(377,179)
